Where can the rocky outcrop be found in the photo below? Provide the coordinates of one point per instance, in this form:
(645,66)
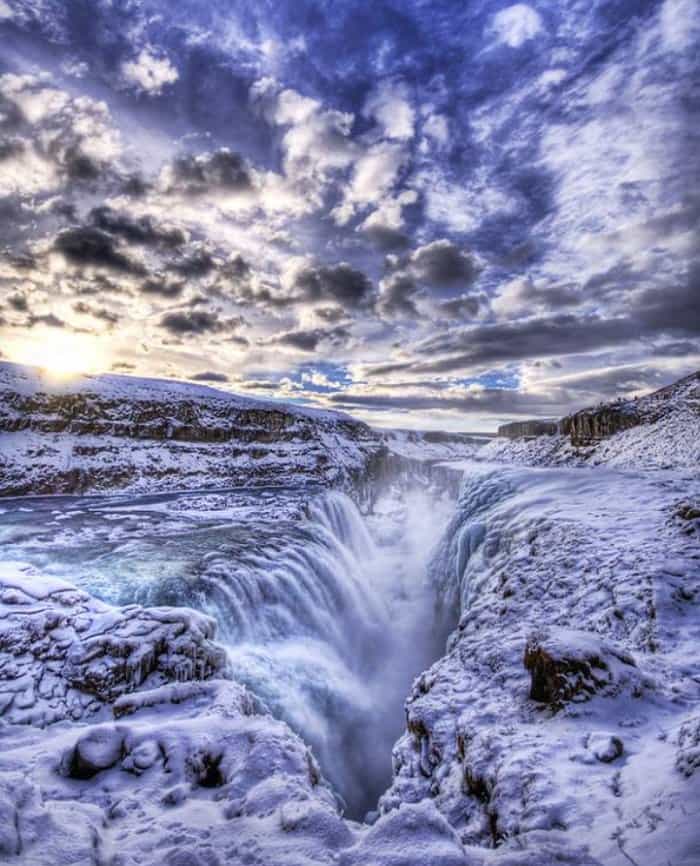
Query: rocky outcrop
(589,426)
(65,655)
(525,429)
(569,666)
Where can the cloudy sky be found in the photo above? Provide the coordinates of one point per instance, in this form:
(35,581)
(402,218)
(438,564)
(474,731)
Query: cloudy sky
(429,214)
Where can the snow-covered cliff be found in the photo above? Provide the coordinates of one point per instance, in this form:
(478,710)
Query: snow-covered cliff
(98,433)
(558,726)
(660,430)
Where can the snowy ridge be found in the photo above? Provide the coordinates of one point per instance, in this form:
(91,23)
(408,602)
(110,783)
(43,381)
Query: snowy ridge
(101,433)
(664,434)
(566,707)
(20,379)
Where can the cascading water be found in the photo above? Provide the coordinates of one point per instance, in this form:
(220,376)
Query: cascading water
(357,625)
(326,621)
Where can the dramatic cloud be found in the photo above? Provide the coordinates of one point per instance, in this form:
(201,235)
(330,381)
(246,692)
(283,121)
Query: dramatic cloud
(140,230)
(223,171)
(86,245)
(433,214)
(309,340)
(209,376)
(441,263)
(191,322)
(342,283)
(149,72)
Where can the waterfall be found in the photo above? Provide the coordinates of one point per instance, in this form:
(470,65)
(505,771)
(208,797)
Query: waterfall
(327,614)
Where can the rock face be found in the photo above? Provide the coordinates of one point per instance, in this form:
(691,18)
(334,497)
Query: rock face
(115,432)
(589,426)
(568,666)
(65,655)
(566,678)
(526,429)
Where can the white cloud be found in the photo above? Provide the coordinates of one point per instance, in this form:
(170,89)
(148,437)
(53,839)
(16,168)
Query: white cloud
(316,141)
(436,128)
(376,172)
(149,72)
(679,24)
(515,25)
(389,213)
(62,128)
(389,104)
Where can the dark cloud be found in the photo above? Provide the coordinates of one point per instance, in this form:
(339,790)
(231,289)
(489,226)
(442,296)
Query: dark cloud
(209,376)
(10,147)
(87,245)
(343,283)
(309,340)
(386,238)
(442,263)
(191,321)
(135,186)
(46,319)
(239,340)
(677,349)
(142,230)
(101,313)
(221,170)
(330,314)
(495,343)
(464,307)
(397,295)
(198,262)
(236,268)
(18,302)
(524,297)
(654,312)
(78,166)
(163,285)
(673,309)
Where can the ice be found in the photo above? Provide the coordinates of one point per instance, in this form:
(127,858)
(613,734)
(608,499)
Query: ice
(218,676)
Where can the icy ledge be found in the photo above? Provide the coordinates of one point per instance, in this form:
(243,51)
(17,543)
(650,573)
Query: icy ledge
(123,741)
(566,709)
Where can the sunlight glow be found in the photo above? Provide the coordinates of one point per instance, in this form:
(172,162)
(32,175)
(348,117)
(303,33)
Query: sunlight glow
(64,355)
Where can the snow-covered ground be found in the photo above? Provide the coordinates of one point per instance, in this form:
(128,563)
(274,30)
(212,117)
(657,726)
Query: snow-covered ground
(599,571)
(198,678)
(667,437)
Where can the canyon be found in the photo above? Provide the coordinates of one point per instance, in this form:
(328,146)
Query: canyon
(355,647)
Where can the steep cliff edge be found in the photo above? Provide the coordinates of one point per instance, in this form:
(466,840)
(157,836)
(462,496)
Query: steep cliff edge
(658,431)
(99,433)
(94,434)
(589,426)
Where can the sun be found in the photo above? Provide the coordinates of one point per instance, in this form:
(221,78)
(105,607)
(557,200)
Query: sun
(64,356)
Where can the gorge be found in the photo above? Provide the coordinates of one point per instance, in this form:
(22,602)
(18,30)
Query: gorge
(214,675)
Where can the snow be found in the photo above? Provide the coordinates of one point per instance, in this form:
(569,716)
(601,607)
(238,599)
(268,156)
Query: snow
(666,438)
(558,725)
(594,566)
(27,380)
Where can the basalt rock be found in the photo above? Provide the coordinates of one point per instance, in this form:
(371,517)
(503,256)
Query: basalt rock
(572,666)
